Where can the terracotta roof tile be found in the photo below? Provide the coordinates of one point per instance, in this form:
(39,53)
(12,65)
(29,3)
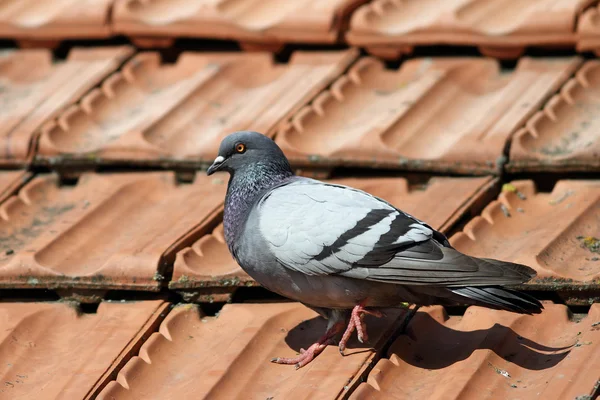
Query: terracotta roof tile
(35,89)
(109,231)
(488,354)
(499,28)
(588,30)
(565,136)
(11,181)
(228,357)
(49,351)
(316,21)
(156,113)
(550,232)
(62,19)
(452,114)
(208,263)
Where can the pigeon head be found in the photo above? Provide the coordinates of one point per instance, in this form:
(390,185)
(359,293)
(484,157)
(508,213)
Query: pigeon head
(247,150)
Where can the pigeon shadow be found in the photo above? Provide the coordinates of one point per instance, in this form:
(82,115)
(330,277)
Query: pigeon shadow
(429,344)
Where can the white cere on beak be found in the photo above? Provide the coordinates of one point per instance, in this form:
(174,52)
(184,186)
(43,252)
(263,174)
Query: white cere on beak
(219,159)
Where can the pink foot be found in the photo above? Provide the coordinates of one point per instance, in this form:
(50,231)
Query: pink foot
(314,350)
(356,322)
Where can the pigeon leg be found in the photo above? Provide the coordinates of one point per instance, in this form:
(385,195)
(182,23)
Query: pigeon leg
(356,322)
(314,350)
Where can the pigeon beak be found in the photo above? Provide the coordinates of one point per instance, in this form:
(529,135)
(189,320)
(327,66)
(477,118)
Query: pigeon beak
(215,165)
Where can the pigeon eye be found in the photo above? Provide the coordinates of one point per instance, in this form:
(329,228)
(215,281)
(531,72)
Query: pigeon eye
(240,147)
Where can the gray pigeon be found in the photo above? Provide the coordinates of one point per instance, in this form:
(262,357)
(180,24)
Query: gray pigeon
(342,251)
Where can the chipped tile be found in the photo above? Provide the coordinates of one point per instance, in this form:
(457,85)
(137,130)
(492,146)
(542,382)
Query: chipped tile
(208,263)
(59,19)
(489,354)
(50,351)
(550,232)
(303,21)
(453,114)
(565,135)
(502,28)
(113,231)
(153,113)
(227,357)
(34,89)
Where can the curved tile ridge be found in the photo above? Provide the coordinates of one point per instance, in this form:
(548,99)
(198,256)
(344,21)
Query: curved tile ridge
(44,355)
(208,263)
(489,354)
(565,134)
(441,114)
(479,22)
(108,231)
(150,112)
(60,19)
(35,91)
(245,20)
(546,231)
(227,357)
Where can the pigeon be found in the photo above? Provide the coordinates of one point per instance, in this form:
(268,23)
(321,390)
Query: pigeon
(343,252)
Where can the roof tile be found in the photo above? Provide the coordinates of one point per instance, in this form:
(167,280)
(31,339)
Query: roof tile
(550,232)
(502,28)
(442,114)
(114,231)
(51,351)
(227,357)
(10,181)
(209,263)
(157,113)
(565,135)
(62,19)
(489,354)
(35,89)
(317,21)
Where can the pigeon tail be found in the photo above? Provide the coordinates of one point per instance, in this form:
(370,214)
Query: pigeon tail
(501,298)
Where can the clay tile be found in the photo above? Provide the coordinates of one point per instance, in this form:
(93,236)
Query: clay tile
(109,231)
(52,351)
(490,354)
(178,113)
(35,90)
(564,136)
(208,263)
(55,20)
(502,28)
(555,233)
(431,114)
(228,357)
(10,181)
(243,20)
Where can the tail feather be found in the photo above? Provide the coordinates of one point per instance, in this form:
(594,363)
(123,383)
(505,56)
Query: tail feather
(501,298)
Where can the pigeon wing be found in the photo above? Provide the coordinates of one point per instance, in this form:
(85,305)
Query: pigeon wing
(321,229)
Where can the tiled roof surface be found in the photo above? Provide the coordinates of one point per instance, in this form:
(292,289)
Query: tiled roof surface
(207,263)
(403,118)
(270,21)
(488,354)
(565,135)
(227,357)
(104,202)
(153,113)
(35,89)
(88,235)
(500,27)
(546,231)
(52,351)
(55,20)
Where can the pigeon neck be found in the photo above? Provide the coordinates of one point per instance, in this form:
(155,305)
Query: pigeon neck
(244,189)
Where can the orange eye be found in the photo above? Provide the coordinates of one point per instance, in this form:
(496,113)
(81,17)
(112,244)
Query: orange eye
(240,147)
